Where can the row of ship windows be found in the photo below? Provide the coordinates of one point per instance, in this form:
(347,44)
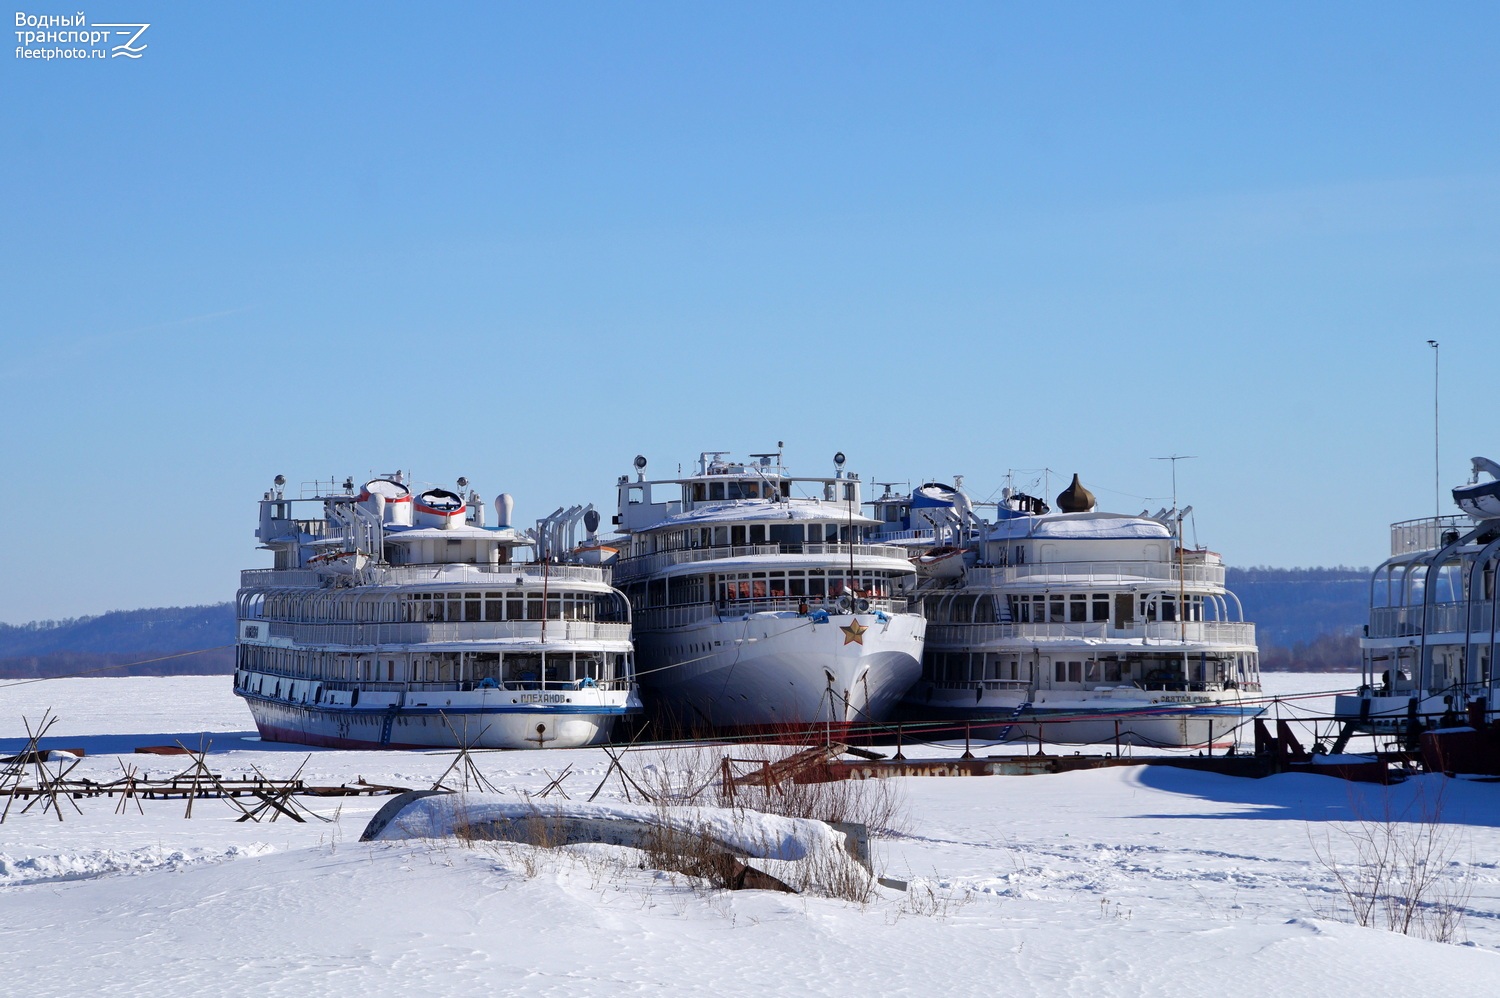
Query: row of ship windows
(735,587)
(967,667)
(522,670)
(732,489)
(789,535)
(423,607)
(1082,607)
(1069,608)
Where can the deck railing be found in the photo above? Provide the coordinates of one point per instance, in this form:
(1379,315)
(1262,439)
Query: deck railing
(665,617)
(1162,631)
(1426,533)
(1102,573)
(360,637)
(650,564)
(1446,618)
(439,575)
(1004,685)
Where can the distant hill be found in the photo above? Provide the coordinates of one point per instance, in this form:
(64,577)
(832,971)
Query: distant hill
(137,641)
(1307,619)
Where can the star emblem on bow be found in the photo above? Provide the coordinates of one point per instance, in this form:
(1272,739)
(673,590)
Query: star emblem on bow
(855,632)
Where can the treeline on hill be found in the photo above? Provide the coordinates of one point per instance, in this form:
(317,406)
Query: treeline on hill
(123,643)
(1306,619)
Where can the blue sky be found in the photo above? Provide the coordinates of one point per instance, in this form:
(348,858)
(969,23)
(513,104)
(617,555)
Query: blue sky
(523,243)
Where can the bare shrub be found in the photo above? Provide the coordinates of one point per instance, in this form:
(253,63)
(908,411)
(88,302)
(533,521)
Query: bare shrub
(684,774)
(1401,874)
(879,805)
(693,853)
(829,870)
(681,774)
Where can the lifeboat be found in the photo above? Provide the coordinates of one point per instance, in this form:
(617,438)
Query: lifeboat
(591,552)
(1481,500)
(343,562)
(946,562)
(594,554)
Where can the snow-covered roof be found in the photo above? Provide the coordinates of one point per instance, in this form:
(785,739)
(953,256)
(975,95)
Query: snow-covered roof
(463,532)
(765,511)
(1080,526)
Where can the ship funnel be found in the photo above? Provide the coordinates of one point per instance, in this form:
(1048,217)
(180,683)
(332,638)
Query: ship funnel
(505,505)
(440,508)
(395,509)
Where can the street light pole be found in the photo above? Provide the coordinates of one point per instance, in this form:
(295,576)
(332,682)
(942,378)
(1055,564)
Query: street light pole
(1437,467)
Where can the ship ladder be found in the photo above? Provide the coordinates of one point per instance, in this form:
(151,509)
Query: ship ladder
(385,729)
(1005,731)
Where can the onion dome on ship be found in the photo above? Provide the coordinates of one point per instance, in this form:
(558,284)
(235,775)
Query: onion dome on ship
(1075,498)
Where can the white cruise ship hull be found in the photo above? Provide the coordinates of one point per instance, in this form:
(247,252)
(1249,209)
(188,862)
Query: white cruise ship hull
(480,718)
(780,671)
(1104,717)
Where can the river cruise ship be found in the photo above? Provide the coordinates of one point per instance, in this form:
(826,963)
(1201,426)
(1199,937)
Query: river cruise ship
(1429,648)
(760,602)
(393,618)
(1084,627)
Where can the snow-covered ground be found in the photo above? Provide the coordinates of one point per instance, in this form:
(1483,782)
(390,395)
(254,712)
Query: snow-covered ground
(1129,881)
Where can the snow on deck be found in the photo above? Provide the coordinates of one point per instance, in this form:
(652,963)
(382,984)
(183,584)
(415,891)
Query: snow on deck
(1073,526)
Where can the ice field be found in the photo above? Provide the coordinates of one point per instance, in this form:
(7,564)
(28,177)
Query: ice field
(1128,881)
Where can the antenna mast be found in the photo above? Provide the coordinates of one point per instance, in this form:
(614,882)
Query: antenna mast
(1181,582)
